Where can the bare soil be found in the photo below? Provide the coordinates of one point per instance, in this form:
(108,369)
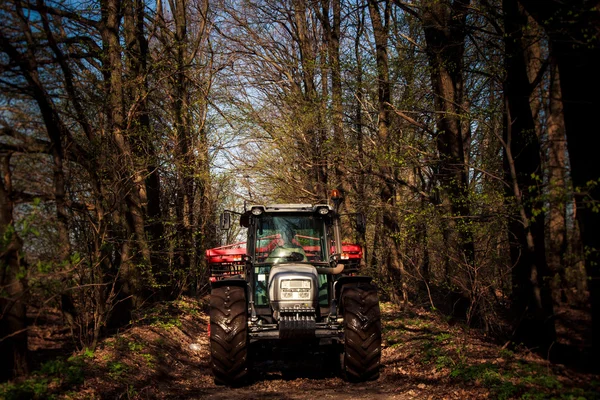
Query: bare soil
(165,355)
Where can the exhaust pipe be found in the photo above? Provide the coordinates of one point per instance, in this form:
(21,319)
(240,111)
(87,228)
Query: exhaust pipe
(331,270)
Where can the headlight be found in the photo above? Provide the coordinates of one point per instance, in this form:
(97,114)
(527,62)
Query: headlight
(257,210)
(323,210)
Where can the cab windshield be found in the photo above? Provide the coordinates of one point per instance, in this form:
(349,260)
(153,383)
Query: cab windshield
(285,238)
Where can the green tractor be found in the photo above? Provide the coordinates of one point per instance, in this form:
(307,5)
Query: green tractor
(293,281)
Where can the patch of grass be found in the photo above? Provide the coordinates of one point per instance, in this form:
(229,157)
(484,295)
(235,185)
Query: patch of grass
(135,346)
(418,323)
(116,369)
(442,337)
(32,388)
(530,368)
(394,338)
(472,372)
(444,361)
(575,394)
(54,375)
(506,354)
(149,359)
(490,376)
(188,307)
(166,322)
(505,390)
(131,392)
(69,371)
(544,381)
(431,351)
(88,353)
(521,381)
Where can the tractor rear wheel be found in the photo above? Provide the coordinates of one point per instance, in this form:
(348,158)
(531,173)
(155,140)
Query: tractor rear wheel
(362,332)
(229,335)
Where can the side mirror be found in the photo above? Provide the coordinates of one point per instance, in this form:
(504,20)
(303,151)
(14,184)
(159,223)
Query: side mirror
(361,223)
(225,221)
(245,220)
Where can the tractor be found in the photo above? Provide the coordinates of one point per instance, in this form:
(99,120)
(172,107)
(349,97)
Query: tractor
(292,281)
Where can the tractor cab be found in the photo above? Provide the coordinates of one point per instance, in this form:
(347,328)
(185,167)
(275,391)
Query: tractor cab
(294,251)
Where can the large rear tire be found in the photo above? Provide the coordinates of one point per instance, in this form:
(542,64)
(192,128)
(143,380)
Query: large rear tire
(362,332)
(229,335)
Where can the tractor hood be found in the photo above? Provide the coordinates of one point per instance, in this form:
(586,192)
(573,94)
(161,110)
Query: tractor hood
(293,286)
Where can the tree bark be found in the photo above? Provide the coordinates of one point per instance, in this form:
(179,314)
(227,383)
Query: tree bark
(13,312)
(332,39)
(387,193)
(313,127)
(573,28)
(137,56)
(444,24)
(557,187)
(131,181)
(531,296)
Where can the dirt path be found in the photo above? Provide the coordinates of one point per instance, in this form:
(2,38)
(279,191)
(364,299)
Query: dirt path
(166,356)
(183,372)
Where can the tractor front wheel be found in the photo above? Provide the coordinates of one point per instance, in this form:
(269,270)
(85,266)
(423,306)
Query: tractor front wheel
(229,335)
(362,332)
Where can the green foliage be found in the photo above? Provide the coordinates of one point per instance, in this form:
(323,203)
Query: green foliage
(135,346)
(473,372)
(116,369)
(546,381)
(88,353)
(442,337)
(443,361)
(518,381)
(511,379)
(131,392)
(431,351)
(7,237)
(150,360)
(187,307)
(167,323)
(32,388)
(53,376)
(71,371)
(506,354)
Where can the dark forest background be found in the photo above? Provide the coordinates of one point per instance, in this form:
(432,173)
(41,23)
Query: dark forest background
(466,132)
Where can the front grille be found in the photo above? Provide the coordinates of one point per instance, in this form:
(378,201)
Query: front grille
(297,322)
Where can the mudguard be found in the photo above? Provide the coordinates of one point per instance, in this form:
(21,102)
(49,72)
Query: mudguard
(348,280)
(234,281)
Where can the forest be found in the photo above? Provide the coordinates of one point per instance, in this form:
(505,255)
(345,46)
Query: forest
(464,130)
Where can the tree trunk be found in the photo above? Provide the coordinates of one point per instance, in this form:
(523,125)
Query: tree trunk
(141,132)
(387,193)
(13,312)
(312,117)
(444,25)
(557,188)
(575,45)
(332,39)
(131,181)
(184,144)
(531,296)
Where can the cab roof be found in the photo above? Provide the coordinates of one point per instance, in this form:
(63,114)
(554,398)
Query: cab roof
(290,207)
